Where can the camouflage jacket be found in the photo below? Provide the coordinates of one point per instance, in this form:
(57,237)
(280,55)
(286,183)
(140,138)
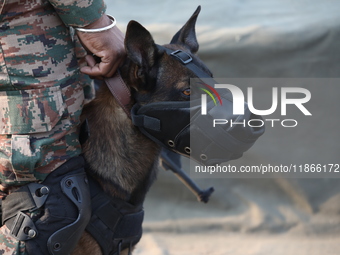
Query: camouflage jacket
(41,87)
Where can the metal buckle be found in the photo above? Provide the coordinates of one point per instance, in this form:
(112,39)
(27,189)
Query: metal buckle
(180,54)
(39,194)
(23,227)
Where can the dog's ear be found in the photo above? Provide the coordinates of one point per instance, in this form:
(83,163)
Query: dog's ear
(186,36)
(139,46)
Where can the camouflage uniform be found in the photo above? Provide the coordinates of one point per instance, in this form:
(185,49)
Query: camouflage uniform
(41,90)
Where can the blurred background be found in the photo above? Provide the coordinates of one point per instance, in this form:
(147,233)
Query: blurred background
(254,39)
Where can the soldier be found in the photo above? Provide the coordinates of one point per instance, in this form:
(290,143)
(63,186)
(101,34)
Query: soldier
(43,187)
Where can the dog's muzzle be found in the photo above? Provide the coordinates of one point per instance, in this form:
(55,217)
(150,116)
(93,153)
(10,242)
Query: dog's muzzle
(212,138)
(208,139)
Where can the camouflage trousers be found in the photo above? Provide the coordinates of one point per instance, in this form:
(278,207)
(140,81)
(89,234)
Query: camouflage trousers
(9,245)
(28,153)
(41,92)
(42,134)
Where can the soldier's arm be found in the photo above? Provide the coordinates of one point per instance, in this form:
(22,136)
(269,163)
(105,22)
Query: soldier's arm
(107,45)
(75,13)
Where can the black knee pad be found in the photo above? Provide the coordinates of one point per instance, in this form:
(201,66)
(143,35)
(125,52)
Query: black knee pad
(63,206)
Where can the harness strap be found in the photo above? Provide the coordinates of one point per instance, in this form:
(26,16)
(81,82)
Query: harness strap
(187,61)
(115,224)
(144,120)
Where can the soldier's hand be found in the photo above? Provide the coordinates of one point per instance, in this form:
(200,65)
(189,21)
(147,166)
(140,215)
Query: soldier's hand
(108,46)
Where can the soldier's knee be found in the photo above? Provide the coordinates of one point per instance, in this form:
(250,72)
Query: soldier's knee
(50,217)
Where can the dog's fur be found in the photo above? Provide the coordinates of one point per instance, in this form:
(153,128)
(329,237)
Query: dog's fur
(121,158)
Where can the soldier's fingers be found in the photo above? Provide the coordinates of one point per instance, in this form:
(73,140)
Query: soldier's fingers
(112,65)
(90,64)
(92,68)
(93,71)
(105,68)
(91,61)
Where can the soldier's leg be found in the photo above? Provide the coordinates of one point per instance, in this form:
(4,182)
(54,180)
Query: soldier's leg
(48,217)
(41,98)
(37,215)
(29,160)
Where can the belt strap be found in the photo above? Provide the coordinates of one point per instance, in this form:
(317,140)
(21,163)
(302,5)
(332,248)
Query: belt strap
(27,198)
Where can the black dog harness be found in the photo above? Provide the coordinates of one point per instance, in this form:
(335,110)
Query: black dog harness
(115,224)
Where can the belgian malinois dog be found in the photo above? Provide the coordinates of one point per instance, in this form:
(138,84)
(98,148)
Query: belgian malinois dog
(120,157)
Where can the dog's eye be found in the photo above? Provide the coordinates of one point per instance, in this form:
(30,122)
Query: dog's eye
(186,92)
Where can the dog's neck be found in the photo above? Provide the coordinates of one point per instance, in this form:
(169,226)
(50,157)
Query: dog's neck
(121,158)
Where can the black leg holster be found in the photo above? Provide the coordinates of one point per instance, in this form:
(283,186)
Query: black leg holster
(62,206)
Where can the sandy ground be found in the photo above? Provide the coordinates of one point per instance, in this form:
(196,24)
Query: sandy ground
(244,216)
(216,243)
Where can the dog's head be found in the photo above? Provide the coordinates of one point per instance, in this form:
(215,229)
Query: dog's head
(155,75)
(160,80)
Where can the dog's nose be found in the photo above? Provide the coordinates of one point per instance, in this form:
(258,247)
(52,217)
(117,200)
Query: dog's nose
(247,127)
(220,134)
